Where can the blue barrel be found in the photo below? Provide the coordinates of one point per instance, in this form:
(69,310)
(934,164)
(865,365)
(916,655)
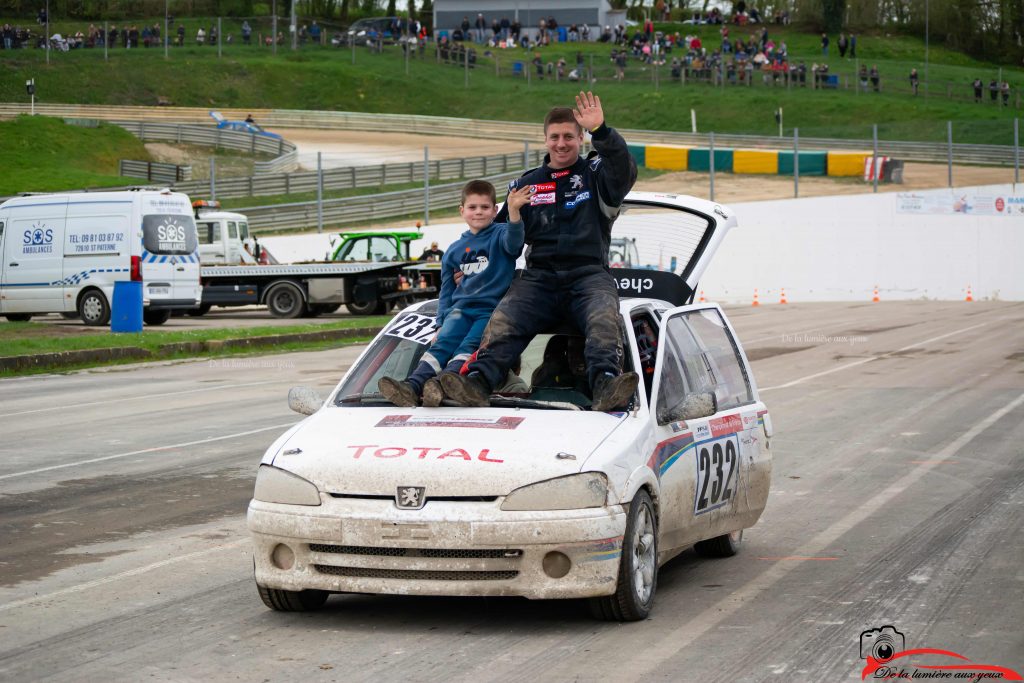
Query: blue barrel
(563,34)
(126,309)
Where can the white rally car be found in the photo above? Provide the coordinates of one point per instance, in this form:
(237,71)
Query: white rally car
(536,495)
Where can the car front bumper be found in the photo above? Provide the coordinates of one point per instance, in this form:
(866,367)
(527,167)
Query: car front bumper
(447,548)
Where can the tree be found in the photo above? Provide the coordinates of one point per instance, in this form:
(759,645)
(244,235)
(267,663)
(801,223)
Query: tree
(411,9)
(392,9)
(833,11)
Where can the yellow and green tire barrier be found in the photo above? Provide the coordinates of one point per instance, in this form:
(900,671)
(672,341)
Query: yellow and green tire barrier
(749,161)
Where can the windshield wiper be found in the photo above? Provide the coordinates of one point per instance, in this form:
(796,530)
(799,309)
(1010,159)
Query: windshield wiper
(359,399)
(515,402)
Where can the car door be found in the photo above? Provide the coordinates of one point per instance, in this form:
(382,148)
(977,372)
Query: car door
(170,268)
(33,258)
(211,246)
(706,422)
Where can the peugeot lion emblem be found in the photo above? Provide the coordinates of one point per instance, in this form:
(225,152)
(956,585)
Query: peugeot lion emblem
(411,497)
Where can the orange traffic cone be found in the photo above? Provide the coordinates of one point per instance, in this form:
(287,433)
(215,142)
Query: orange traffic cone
(875,297)
(756,302)
(702,299)
(969,297)
(782,298)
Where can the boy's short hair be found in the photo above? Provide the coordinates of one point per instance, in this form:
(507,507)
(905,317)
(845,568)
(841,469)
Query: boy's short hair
(560,115)
(481,187)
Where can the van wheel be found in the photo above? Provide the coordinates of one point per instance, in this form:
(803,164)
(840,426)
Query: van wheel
(202,310)
(19,317)
(156,317)
(638,568)
(725,545)
(292,601)
(284,300)
(366,307)
(93,308)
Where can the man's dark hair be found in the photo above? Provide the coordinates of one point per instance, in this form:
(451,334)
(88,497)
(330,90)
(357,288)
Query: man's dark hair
(560,115)
(479,187)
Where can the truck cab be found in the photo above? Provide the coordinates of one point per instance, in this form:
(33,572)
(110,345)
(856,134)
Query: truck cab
(224,237)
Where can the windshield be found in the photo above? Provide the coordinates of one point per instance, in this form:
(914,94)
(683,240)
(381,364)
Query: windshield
(551,372)
(169,234)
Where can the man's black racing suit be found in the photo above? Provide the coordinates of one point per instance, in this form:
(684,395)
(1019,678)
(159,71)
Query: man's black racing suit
(568,231)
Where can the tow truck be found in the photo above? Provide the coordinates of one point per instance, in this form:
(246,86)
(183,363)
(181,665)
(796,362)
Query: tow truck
(368,272)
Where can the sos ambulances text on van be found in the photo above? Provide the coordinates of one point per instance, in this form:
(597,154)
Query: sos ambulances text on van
(62,253)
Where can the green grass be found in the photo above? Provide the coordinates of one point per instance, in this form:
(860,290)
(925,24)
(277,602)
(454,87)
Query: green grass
(45,154)
(18,339)
(326,79)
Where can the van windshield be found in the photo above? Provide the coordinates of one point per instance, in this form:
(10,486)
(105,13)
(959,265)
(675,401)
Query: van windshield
(169,234)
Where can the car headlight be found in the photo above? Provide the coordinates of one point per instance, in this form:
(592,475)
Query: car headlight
(586,490)
(274,485)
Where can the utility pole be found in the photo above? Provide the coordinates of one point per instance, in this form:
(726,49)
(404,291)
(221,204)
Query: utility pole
(167,36)
(293,28)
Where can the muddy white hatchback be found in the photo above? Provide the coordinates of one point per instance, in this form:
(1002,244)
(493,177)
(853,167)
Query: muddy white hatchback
(536,495)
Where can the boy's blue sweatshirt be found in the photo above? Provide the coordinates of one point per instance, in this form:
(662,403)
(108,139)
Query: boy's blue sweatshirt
(487,261)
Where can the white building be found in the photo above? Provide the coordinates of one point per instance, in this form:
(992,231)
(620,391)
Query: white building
(448,14)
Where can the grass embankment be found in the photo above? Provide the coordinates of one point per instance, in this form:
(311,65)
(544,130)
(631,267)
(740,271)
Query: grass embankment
(45,154)
(325,78)
(25,339)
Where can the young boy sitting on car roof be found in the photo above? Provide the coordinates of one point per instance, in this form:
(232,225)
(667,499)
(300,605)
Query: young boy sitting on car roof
(486,256)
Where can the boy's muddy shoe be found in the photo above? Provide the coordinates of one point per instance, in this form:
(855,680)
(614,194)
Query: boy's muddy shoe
(400,393)
(614,392)
(433,394)
(466,390)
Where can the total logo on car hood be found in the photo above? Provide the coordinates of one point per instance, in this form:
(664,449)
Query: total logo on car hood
(456,452)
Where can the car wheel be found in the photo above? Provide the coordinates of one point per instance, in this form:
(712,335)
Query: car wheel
(93,308)
(202,310)
(638,567)
(284,300)
(725,545)
(19,317)
(292,601)
(366,307)
(156,317)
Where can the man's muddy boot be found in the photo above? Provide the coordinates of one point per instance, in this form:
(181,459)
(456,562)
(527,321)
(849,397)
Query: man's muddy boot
(400,393)
(466,390)
(611,392)
(433,394)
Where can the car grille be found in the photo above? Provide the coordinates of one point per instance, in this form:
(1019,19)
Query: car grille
(451,553)
(417,574)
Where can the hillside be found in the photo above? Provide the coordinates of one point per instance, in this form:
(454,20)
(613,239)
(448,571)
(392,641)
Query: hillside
(326,78)
(44,154)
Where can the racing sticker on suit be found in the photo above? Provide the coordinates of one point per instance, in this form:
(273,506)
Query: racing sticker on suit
(560,174)
(414,327)
(580,198)
(544,193)
(717,461)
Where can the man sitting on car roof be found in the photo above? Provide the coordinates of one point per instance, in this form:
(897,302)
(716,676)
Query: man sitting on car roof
(568,227)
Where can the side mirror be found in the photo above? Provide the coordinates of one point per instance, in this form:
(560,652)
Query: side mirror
(304,400)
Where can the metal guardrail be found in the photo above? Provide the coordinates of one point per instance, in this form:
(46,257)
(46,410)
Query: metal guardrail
(154,171)
(1001,155)
(360,209)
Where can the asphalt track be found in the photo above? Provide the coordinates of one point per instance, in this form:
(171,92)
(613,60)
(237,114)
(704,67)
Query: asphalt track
(897,498)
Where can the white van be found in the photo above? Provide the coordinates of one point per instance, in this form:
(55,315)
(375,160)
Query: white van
(62,253)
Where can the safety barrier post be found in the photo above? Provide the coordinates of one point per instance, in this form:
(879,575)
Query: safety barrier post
(1016,152)
(426,185)
(213,178)
(220,32)
(874,159)
(949,147)
(796,163)
(711,163)
(319,194)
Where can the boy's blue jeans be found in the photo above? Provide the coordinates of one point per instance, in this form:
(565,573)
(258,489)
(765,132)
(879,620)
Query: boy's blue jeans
(456,341)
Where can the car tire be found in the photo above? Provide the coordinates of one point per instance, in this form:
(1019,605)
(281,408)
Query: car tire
(158,317)
(638,567)
(18,317)
(366,308)
(292,601)
(725,545)
(285,300)
(197,312)
(93,308)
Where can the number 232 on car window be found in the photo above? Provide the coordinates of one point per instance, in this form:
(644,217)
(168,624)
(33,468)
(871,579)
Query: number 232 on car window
(414,327)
